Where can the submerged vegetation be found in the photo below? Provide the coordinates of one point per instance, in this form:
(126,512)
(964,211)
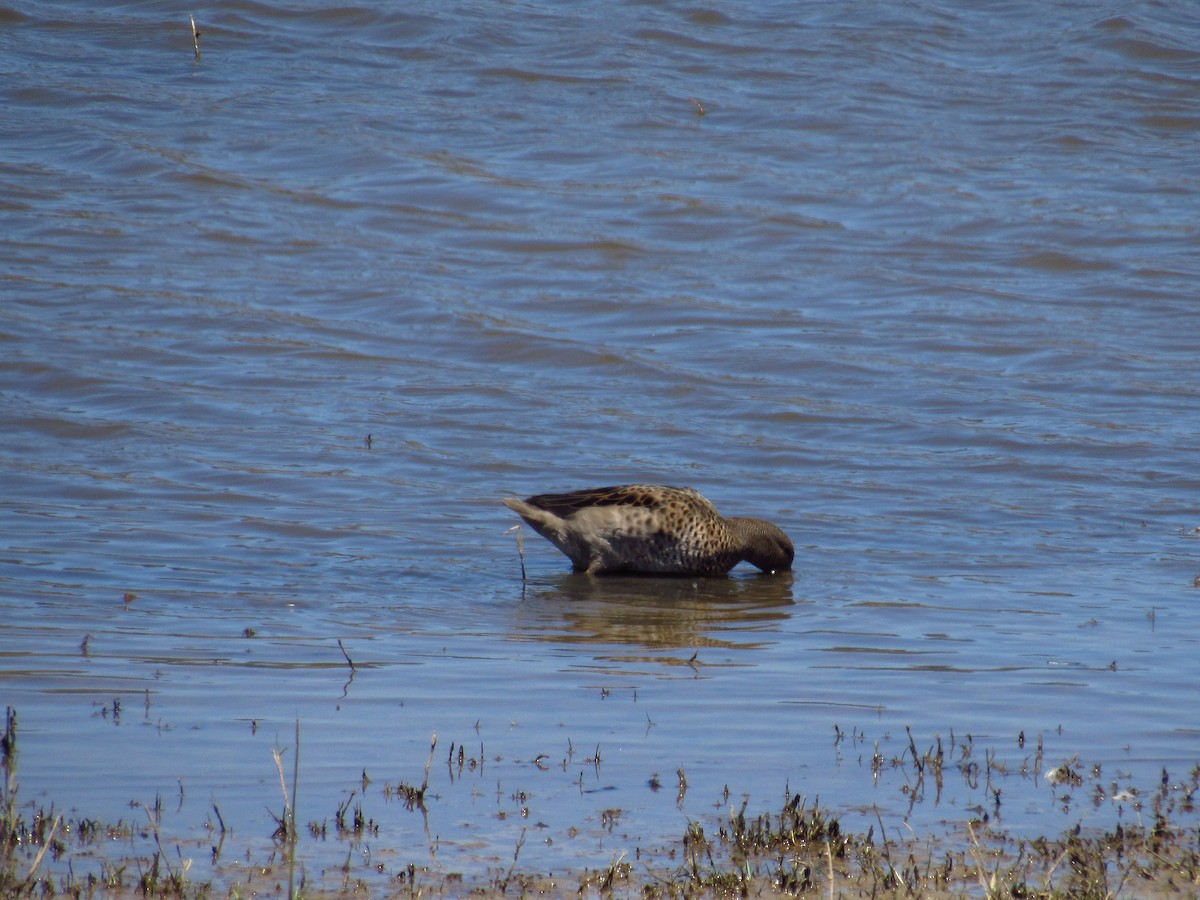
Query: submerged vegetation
(32,843)
(800,849)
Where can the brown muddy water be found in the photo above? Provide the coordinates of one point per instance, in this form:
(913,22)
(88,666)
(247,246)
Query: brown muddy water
(281,324)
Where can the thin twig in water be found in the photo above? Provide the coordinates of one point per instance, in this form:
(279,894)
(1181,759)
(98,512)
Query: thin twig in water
(428,763)
(158,841)
(292,816)
(512,868)
(349,661)
(195,36)
(887,853)
(520,549)
(278,754)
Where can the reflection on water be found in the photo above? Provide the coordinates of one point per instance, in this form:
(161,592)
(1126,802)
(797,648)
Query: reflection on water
(655,613)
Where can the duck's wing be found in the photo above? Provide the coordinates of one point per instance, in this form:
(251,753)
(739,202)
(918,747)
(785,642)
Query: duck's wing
(637,496)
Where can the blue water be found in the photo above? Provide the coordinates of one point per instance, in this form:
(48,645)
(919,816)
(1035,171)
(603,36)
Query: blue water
(281,324)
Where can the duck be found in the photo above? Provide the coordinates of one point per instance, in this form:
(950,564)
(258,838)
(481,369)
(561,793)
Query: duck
(651,529)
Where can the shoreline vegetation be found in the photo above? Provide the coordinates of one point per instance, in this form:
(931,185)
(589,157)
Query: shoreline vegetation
(799,848)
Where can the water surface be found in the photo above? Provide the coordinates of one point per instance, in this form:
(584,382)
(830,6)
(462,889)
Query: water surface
(281,324)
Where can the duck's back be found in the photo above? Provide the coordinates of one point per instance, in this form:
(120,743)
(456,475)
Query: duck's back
(638,528)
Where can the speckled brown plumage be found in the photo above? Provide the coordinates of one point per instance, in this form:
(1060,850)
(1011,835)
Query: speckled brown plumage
(652,529)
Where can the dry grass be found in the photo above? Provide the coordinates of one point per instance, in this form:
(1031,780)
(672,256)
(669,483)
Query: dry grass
(799,848)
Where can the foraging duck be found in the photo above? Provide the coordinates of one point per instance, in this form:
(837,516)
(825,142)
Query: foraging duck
(652,529)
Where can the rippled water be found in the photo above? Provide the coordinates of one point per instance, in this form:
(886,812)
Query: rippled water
(280,325)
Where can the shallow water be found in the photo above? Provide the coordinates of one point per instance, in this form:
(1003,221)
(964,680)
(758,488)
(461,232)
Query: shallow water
(282,323)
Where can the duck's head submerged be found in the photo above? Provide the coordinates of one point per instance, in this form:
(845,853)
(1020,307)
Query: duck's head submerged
(764,544)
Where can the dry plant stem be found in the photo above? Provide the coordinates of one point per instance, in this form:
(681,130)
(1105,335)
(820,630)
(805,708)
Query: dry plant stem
(520,550)
(37,861)
(516,853)
(195,36)
(158,842)
(289,807)
(428,763)
(292,817)
(8,758)
(887,854)
(988,883)
(829,856)
(278,754)
(1057,862)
